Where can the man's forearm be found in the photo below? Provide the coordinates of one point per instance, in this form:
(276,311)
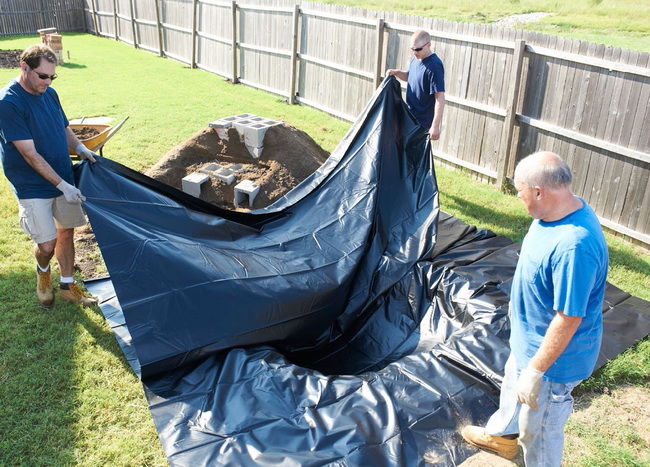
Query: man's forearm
(556,339)
(36,161)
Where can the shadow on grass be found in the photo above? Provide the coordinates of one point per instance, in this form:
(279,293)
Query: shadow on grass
(512,226)
(41,386)
(72,65)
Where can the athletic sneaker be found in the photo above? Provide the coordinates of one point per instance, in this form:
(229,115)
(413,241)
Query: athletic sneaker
(73,294)
(44,290)
(504,447)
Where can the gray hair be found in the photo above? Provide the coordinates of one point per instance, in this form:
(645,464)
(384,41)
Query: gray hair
(544,169)
(421,34)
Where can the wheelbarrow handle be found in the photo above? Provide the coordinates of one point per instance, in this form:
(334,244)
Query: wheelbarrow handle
(110,134)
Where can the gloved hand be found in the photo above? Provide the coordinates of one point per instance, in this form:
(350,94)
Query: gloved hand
(84,153)
(528,385)
(71,192)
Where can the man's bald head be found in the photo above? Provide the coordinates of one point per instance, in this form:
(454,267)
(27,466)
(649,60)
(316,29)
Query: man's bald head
(420,37)
(544,169)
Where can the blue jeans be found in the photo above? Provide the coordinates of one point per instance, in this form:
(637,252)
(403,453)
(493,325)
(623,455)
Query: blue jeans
(541,431)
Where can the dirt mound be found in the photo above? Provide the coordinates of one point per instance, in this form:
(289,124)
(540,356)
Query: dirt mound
(10,58)
(289,156)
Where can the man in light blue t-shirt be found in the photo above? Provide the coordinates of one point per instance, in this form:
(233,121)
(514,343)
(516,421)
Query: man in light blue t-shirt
(35,143)
(555,313)
(425,91)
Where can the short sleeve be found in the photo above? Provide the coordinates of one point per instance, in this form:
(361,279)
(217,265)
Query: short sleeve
(574,275)
(437,82)
(13,126)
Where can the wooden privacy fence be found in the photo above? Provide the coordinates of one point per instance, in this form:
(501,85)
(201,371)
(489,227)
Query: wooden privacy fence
(27,16)
(509,92)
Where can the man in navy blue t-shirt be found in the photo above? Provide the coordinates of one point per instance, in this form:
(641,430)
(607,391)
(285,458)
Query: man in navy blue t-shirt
(556,304)
(35,143)
(425,91)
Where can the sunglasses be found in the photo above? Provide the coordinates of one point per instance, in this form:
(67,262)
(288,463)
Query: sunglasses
(43,76)
(417,49)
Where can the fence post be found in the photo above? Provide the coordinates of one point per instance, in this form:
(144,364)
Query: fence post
(235,78)
(380,51)
(160,36)
(194,10)
(294,55)
(133,29)
(83,11)
(95,22)
(117,36)
(508,156)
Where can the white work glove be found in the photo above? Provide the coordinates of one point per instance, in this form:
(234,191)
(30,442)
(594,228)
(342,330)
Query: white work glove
(84,153)
(71,192)
(528,386)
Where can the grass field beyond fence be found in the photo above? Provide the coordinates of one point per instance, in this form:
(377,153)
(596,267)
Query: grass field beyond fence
(69,397)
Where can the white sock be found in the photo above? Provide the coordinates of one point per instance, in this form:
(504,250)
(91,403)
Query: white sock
(66,280)
(43,269)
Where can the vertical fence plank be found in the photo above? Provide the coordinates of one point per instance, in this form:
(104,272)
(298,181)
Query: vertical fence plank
(133,28)
(115,30)
(294,54)
(379,44)
(159,26)
(95,20)
(505,162)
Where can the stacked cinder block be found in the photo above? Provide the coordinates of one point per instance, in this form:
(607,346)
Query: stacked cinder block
(251,129)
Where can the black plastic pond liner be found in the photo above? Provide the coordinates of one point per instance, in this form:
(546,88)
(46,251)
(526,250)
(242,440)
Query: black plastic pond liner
(350,323)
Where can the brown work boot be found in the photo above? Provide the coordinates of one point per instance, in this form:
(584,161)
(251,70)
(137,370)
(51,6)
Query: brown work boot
(73,294)
(44,290)
(504,447)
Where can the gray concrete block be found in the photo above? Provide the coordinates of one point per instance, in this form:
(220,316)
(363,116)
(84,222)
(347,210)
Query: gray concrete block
(245,190)
(192,183)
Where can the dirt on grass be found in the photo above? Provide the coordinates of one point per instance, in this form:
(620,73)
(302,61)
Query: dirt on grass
(289,156)
(10,58)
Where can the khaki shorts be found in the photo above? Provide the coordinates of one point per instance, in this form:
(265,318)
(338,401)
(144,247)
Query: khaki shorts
(39,218)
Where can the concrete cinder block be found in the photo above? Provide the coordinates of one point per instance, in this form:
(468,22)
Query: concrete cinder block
(241,125)
(225,175)
(245,189)
(255,152)
(236,167)
(210,168)
(221,123)
(192,183)
(254,134)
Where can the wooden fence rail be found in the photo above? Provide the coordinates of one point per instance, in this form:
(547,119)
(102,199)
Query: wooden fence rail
(509,92)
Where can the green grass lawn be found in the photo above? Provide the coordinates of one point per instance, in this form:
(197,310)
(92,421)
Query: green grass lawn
(68,396)
(621,23)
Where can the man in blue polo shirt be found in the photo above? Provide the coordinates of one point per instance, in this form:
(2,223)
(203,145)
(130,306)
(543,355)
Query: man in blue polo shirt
(425,91)
(555,314)
(35,143)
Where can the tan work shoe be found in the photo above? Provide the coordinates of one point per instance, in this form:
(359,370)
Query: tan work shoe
(44,290)
(73,294)
(504,447)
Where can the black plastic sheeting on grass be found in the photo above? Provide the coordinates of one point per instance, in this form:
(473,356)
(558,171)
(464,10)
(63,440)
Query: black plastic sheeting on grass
(351,323)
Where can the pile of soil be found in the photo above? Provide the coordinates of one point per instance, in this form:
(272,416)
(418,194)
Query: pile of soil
(10,58)
(289,156)
(85,132)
